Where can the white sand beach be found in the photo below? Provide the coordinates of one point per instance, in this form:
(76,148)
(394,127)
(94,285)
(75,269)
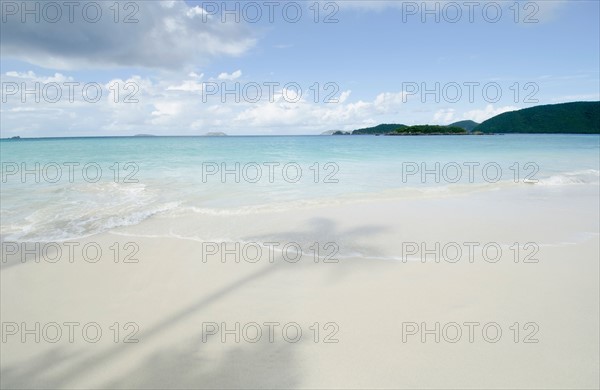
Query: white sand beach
(184,310)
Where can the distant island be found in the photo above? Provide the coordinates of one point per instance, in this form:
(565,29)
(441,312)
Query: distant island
(564,118)
(429,130)
(215,134)
(144,135)
(381,129)
(463,127)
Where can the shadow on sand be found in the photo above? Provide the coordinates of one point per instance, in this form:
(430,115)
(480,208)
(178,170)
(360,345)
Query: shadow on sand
(185,366)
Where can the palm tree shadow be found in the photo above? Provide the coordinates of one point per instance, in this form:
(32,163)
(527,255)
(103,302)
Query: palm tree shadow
(87,364)
(255,366)
(162,366)
(39,372)
(260,365)
(350,243)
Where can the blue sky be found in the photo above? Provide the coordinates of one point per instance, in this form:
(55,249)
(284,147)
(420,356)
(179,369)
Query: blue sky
(375,59)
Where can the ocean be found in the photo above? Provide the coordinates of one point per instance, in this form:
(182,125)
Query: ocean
(68,188)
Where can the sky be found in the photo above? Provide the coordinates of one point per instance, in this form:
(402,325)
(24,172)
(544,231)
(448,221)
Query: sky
(106,68)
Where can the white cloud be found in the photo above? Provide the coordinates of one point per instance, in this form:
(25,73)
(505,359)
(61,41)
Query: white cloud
(187,85)
(31,76)
(226,76)
(178,106)
(488,112)
(195,11)
(344,96)
(162,35)
(307,114)
(168,3)
(167,108)
(390,101)
(21,75)
(444,116)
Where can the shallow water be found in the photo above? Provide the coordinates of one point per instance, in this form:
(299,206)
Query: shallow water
(62,188)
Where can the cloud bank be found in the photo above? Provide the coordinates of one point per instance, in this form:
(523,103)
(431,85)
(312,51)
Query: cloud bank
(146,34)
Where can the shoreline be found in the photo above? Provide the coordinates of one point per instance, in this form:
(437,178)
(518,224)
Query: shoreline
(170,208)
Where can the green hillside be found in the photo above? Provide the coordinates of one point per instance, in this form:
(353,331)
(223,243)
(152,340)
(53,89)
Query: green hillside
(574,118)
(467,125)
(428,130)
(380,129)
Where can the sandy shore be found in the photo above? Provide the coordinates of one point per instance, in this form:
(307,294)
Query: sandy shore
(360,307)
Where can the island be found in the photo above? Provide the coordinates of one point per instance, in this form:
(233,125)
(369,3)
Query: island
(390,129)
(380,129)
(462,127)
(563,118)
(429,130)
(215,134)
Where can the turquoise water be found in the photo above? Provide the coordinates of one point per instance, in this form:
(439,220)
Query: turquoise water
(127,180)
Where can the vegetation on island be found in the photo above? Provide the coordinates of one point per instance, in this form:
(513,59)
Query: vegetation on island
(564,118)
(429,130)
(380,129)
(568,118)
